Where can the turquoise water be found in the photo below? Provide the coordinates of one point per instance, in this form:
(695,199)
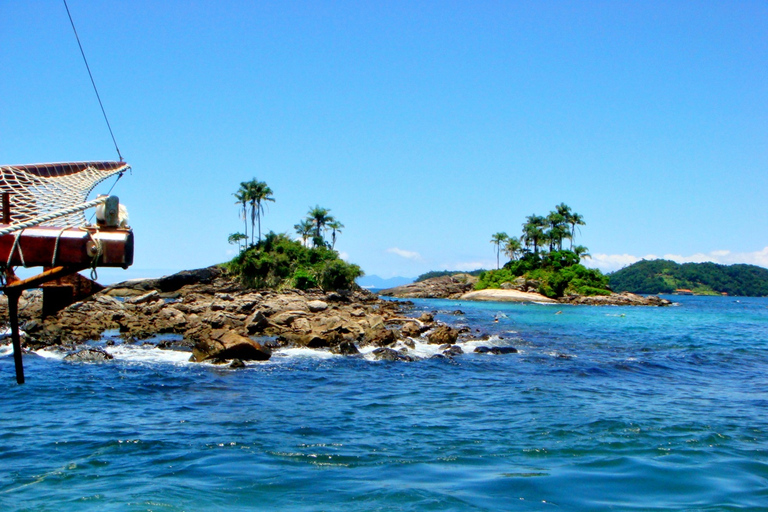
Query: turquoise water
(603,408)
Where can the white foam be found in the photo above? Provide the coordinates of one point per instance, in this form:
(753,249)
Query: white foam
(147,354)
(303,352)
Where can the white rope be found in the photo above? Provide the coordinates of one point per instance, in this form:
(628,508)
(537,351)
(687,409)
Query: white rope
(50,216)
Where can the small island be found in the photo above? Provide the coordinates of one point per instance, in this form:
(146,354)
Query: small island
(540,269)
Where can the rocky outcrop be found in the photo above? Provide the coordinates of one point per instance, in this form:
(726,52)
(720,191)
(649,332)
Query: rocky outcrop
(443,287)
(220,319)
(616,299)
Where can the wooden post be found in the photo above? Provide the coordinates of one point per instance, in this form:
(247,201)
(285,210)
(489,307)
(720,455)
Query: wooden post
(13,313)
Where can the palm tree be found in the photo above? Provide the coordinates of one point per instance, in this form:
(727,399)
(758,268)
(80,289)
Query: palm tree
(320,218)
(575,220)
(582,252)
(498,239)
(557,231)
(242,198)
(335,227)
(533,231)
(258,193)
(304,230)
(236,238)
(513,247)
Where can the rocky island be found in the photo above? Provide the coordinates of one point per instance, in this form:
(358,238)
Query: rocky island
(219,320)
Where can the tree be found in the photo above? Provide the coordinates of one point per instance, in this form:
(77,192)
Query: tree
(533,231)
(575,220)
(557,230)
(335,227)
(258,193)
(581,252)
(319,217)
(242,198)
(513,247)
(304,230)
(497,240)
(236,238)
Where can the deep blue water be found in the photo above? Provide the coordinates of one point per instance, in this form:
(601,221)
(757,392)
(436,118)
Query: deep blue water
(604,408)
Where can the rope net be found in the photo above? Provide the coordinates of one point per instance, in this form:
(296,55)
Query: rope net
(40,189)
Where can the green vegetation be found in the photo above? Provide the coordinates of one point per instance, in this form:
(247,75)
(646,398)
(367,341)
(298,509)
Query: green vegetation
(538,258)
(277,261)
(440,273)
(664,276)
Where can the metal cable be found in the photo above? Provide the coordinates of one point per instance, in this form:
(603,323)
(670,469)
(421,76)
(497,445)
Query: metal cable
(92,81)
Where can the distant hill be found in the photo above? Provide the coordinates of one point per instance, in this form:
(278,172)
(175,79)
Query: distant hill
(380,283)
(664,276)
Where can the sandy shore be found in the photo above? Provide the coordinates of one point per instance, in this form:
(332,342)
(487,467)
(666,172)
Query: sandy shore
(505,296)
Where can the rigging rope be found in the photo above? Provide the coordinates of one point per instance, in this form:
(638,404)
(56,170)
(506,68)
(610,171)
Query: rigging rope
(92,81)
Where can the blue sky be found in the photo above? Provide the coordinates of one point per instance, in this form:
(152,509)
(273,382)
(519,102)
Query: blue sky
(424,126)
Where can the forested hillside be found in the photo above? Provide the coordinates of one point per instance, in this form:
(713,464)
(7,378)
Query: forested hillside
(664,276)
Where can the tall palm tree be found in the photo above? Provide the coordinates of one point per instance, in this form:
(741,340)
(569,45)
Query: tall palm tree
(335,227)
(304,230)
(533,231)
(258,193)
(320,217)
(242,198)
(575,219)
(512,247)
(498,239)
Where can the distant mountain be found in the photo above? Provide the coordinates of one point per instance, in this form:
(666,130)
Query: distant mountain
(380,283)
(664,276)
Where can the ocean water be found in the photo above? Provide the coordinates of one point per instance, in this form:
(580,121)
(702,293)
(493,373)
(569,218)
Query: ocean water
(603,408)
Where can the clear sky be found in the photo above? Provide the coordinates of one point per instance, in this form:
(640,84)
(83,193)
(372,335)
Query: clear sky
(424,126)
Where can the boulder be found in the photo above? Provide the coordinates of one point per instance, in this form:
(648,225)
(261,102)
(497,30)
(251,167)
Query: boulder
(443,335)
(317,305)
(227,344)
(388,354)
(453,350)
(380,337)
(346,348)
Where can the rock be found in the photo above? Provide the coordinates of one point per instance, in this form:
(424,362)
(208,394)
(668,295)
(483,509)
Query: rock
(443,335)
(411,329)
(236,363)
(380,337)
(143,299)
(458,312)
(227,344)
(286,318)
(427,318)
(317,305)
(443,287)
(453,350)
(257,322)
(388,354)
(88,355)
(495,350)
(346,348)
(616,299)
